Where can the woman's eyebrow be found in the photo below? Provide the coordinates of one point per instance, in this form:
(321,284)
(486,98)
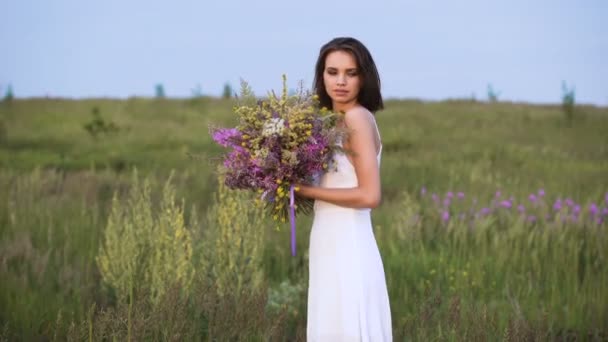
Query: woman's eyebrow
(334,68)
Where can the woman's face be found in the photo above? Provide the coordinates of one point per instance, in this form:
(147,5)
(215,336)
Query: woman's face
(341,79)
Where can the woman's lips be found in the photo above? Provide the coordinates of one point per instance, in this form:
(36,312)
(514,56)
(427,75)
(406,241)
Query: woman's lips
(340,92)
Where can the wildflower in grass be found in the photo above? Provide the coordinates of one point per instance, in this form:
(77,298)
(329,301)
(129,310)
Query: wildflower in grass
(541,193)
(521,209)
(445,216)
(557,206)
(460,195)
(532,198)
(423,191)
(446,202)
(593,209)
(506,204)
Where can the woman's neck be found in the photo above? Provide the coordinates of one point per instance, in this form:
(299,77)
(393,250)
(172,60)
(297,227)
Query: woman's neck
(343,107)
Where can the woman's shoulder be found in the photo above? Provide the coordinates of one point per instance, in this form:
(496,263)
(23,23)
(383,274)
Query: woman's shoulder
(358,115)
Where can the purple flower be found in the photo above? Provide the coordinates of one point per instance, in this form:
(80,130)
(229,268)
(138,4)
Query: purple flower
(606,198)
(577,209)
(460,195)
(505,204)
(445,216)
(605,211)
(447,202)
(497,194)
(593,209)
(569,202)
(226,136)
(449,195)
(541,192)
(558,205)
(531,218)
(423,191)
(521,208)
(435,198)
(532,198)
(485,211)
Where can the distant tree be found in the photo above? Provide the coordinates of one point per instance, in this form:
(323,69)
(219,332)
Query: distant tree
(227,92)
(568,102)
(160,91)
(492,94)
(9,94)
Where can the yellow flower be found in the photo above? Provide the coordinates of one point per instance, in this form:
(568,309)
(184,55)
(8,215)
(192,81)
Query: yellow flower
(279,181)
(297,188)
(275,217)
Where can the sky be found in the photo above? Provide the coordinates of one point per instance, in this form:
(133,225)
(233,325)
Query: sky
(430,50)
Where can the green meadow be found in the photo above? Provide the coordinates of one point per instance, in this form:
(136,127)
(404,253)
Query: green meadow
(114,225)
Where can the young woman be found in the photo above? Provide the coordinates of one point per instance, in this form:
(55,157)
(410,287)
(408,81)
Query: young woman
(347,294)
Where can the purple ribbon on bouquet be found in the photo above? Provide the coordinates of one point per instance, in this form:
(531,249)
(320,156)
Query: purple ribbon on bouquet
(292,220)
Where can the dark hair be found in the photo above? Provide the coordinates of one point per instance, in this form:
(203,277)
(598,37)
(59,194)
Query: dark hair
(369,94)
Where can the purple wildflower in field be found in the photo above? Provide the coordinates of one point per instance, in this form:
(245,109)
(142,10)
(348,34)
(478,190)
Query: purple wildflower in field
(593,209)
(449,195)
(569,202)
(541,192)
(498,194)
(505,204)
(557,206)
(460,195)
(532,198)
(423,191)
(485,211)
(605,211)
(576,209)
(447,202)
(435,198)
(531,218)
(521,208)
(445,216)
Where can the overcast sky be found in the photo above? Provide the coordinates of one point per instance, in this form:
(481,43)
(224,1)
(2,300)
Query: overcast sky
(429,49)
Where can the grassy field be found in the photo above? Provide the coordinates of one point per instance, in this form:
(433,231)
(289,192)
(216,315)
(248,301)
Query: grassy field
(493,225)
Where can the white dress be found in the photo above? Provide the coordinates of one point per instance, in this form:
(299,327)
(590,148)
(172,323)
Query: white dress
(347,294)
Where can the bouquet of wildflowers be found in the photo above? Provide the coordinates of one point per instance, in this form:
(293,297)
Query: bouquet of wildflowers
(278,142)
